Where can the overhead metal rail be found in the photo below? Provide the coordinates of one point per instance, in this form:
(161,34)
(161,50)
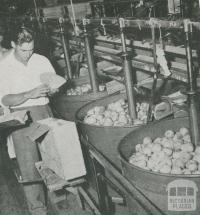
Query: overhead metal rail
(128,22)
(157,23)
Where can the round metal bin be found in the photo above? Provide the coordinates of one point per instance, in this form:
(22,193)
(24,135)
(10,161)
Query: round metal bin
(105,139)
(173,194)
(65,106)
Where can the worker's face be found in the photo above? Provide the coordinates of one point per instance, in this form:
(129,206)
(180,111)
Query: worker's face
(24,51)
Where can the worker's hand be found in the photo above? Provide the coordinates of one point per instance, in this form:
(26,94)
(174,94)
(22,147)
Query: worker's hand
(40,91)
(52,92)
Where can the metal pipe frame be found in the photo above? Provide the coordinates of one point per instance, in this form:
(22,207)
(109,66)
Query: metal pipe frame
(46,34)
(155,76)
(128,22)
(193,115)
(65,44)
(188,34)
(127,66)
(103,11)
(139,22)
(158,23)
(90,59)
(98,21)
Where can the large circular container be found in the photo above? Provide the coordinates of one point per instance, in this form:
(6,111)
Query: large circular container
(105,139)
(173,194)
(65,106)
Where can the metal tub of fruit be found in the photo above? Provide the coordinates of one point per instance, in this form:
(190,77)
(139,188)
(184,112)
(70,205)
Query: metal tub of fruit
(77,94)
(160,160)
(105,121)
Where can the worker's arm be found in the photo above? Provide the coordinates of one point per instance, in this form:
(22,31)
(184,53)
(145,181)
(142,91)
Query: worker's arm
(17,99)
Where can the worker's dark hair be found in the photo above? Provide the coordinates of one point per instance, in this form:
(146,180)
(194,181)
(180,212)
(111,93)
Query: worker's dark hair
(22,35)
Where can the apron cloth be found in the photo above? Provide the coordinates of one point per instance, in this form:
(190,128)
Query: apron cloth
(27,154)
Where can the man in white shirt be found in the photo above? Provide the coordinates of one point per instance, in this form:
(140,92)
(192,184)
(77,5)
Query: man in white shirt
(21,88)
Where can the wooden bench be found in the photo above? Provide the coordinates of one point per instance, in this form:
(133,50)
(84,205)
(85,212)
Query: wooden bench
(55,185)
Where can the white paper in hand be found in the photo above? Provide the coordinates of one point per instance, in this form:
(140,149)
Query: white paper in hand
(52,80)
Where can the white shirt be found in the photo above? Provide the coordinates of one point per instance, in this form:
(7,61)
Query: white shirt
(18,78)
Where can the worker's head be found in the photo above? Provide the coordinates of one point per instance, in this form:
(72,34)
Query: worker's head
(22,42)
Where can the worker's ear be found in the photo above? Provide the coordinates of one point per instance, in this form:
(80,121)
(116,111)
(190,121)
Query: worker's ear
(13,45)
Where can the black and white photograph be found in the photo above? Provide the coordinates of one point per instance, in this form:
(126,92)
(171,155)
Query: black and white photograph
(99,107)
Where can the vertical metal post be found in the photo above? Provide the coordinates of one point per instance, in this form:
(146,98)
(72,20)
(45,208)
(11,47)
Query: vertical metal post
(65,44)
(47,36)
(181,8)
(127,66)
(132,9)
(40,23)
(101,186)
(155,76)
(90,59)
(154,49)
(92,6)
(114,10)
(193,115)
(44,26)
(32,22)
(36,9)
(103,10)
(37,13)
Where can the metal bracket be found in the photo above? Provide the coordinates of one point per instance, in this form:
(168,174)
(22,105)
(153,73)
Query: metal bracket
(121,22)
(44,20)
(60,20)
(103,26)
(86,21)
(187,26)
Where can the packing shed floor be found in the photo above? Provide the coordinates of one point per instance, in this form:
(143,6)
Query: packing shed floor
(12,200)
